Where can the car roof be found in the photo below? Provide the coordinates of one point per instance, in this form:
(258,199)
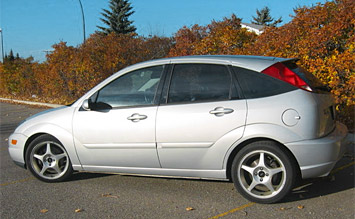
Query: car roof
(256,63)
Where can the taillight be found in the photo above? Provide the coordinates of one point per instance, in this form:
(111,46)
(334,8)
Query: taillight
(281,72)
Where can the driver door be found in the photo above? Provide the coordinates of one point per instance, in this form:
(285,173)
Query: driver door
(123,136)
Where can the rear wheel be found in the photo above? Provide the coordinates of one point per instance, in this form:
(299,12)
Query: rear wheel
(48,160)
(263,172)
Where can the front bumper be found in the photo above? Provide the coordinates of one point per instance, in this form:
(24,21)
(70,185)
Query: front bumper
(317,157)
(16,150)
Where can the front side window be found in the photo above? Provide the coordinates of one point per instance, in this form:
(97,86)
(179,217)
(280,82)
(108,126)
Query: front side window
(132,89)
(199,82)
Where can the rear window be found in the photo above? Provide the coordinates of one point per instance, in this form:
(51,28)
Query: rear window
(257,85)
(315,84)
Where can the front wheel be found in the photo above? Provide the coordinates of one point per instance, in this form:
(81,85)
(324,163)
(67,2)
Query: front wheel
(263,172)
(48,160)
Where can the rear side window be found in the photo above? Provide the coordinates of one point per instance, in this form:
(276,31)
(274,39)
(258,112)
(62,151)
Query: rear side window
(199,82)
(257,85)
(315,84)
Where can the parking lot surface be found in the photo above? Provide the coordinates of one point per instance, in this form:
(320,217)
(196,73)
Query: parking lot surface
(93,195)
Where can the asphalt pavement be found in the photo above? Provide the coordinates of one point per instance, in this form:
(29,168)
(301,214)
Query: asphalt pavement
(93,195)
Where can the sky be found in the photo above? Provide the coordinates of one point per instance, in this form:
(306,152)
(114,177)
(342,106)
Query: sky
(31,27)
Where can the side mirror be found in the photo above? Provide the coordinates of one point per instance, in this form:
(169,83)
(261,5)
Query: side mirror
(85,105)
(99,106)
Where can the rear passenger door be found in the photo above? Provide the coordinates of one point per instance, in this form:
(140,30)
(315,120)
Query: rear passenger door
(201,105)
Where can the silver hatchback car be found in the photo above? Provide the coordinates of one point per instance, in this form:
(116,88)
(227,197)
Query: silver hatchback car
(259,121)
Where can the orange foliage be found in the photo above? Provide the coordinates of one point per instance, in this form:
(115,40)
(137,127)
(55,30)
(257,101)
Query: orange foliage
(225,37)
(322,36)
(186,40)
(18,76)
(70,71)
(219,37)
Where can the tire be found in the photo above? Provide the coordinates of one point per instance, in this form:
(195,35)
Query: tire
(48,160)
(263,172)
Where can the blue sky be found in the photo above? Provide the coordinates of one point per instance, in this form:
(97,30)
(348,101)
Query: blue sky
(31,27)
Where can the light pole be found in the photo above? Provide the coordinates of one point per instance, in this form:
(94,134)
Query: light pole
(82,15)
(2,45)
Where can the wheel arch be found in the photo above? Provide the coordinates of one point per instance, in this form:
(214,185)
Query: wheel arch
(28,142)
(63,135)
(243,144)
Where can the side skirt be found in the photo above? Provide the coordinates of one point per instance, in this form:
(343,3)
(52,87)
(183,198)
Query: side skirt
(160,172)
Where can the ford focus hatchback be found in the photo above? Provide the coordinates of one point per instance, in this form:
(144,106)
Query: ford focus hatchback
(259,121)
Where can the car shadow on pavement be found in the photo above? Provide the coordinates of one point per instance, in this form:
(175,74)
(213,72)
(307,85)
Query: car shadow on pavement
(77,176)
(336,182)
(341,178)
(177,178)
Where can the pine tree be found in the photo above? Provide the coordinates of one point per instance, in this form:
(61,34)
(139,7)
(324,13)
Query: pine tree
(264,18)
(9,57)
(116,19)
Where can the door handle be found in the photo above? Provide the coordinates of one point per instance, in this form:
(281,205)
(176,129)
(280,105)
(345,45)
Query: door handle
(136,117)
(220,111)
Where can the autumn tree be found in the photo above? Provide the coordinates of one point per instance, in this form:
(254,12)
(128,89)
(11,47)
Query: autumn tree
(323,37)
(264,18)
(219,37)
(69,71)
(186,39)
(117,18)
(17,76)
(154,47)
(225,37)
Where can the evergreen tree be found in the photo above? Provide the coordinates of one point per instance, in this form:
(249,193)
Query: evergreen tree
(116,19)
(10,57)
(264,18)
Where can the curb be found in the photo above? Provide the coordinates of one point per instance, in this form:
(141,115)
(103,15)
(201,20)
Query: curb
(31,103)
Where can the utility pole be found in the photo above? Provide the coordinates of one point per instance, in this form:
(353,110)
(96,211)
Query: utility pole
(2,45)
(82,15)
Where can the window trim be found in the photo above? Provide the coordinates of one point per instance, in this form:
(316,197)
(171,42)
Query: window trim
(239,93)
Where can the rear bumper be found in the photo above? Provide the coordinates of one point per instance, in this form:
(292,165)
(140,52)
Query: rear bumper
(317,157)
